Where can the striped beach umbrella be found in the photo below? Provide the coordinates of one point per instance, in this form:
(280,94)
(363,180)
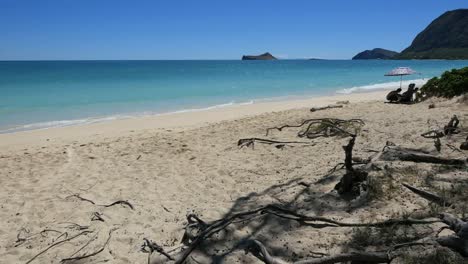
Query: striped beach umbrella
(400,71)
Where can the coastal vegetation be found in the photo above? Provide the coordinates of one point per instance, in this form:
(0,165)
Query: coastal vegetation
(451,83)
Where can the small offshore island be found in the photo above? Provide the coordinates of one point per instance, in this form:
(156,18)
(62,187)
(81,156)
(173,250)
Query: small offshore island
(264,56)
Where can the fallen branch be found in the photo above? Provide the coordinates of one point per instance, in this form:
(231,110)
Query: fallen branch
(428,196)
(314,109)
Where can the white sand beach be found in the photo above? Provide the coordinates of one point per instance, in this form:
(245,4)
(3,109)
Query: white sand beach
(168,166)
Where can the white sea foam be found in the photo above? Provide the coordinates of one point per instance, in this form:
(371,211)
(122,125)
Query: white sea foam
(382,86)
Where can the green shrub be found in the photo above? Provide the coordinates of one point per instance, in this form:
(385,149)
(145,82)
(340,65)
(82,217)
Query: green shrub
(451,83)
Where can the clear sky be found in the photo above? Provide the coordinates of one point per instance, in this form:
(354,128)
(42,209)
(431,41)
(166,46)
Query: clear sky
(209,29)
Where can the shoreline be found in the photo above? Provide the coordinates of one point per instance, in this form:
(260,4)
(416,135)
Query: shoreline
(87,120)
(176,120)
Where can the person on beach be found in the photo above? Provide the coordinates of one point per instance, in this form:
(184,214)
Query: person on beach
(407,97)
(394,96)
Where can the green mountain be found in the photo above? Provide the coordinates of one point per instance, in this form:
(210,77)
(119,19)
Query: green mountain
(445,38)
(264,56)
(375,54)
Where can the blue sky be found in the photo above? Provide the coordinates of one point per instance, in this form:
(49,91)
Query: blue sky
(209,29)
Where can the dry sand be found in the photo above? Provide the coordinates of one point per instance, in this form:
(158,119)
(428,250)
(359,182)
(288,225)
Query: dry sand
(171,165)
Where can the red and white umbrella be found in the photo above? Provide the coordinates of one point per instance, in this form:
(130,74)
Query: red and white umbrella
(400,71)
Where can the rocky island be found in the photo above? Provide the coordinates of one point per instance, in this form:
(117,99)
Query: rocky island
(264,56)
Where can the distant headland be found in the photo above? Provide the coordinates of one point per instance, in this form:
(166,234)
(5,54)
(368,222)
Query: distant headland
(264,56)
(444,38)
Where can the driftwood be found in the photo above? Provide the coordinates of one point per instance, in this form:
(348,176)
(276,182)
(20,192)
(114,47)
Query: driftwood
(428,195)
(314,109)
(250,142)
(394,153)
(198,230)
(323,127)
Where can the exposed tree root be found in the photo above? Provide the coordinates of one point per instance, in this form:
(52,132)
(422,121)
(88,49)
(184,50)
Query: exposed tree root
(250,142)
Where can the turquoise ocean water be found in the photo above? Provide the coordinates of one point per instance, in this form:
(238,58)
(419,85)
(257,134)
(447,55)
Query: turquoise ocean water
(42,94)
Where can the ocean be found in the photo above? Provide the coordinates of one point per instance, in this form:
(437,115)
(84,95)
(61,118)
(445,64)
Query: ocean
(43,94)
